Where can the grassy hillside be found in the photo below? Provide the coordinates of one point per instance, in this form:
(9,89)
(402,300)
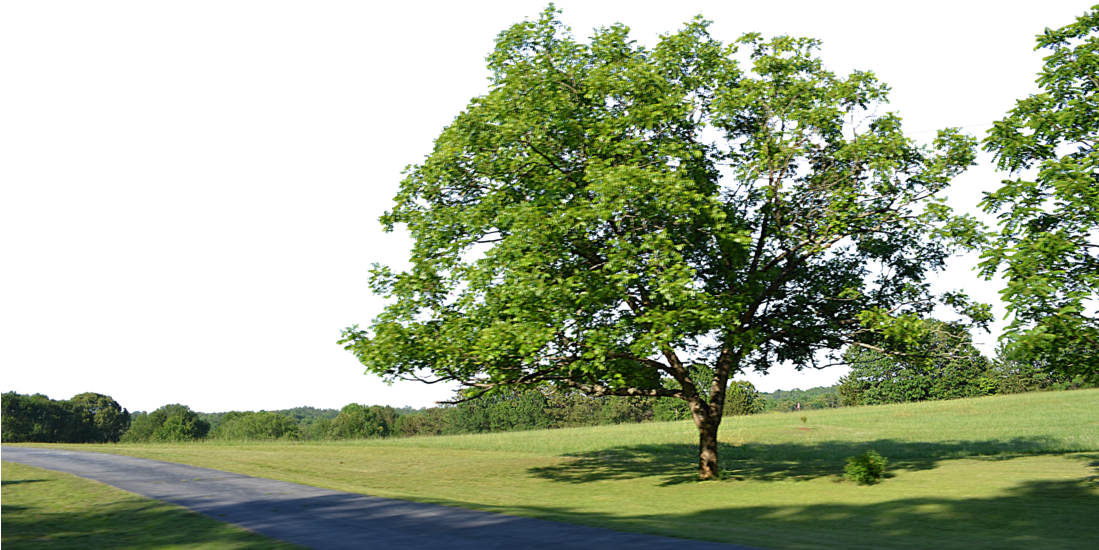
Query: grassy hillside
(1018,471)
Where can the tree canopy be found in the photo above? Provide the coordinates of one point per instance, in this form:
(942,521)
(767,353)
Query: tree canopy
(1047,245)
(609,217)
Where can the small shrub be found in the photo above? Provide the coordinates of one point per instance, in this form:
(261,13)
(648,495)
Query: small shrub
(866,468)
(851,391)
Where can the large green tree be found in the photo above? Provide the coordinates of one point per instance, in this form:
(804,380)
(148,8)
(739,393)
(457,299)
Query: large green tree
(86,418)
(609,215)
(1047,245)
(103,418)
(357,421)
(949,368)
(168,423)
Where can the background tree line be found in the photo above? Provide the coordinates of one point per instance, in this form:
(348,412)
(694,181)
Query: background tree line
(958,370)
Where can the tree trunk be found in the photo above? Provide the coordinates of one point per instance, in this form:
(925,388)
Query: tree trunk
(707,444)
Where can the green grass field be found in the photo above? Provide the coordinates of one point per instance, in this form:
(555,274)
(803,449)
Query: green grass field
(46,509)
(1017,471)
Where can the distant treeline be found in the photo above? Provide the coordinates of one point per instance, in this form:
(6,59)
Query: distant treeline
(874,379)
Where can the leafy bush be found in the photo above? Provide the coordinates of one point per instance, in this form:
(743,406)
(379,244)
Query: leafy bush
(256,426)
(170,423)
(865,469)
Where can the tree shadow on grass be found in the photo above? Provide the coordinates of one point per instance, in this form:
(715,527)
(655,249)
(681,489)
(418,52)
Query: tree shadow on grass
(1093,461)
(677,463)
(132,524)
(1036,514)
(15,482)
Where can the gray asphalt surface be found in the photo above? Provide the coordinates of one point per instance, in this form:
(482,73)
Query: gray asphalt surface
(334,520)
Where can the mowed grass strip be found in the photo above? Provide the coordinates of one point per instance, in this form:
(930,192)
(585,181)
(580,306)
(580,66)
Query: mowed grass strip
(47,509)
(1017,471)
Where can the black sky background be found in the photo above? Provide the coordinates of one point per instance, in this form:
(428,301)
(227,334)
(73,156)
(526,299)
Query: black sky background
(204,220)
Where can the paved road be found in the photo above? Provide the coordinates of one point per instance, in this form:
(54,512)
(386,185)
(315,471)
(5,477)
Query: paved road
(334,520)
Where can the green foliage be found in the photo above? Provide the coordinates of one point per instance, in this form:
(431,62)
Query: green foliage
(357,421)
(141,429)
(316,429)
(608,215)
(742,399)
(945,365)
(826,401)
(501,412)
(811,399)
(256,426)
(1015,371)
(570,409)
(876,380)
(866,468)
(538,408)
(16,418)
(954,369)
(673,408)
(103,419)
(170,423)
(850,390)
(610,244)
(177,428)
(615,248)
(518,410)
(311,424)
(86,418)
(670,409)
(623,410)
(427,422)
(310,414)
(1047,245)
(36,418)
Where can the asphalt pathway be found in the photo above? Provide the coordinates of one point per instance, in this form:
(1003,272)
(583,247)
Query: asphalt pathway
(324,519)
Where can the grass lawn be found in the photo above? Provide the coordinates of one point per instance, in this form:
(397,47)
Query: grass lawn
(47,509)
(1018,471)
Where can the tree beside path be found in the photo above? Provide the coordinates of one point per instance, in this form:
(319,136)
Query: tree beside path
(626,221)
